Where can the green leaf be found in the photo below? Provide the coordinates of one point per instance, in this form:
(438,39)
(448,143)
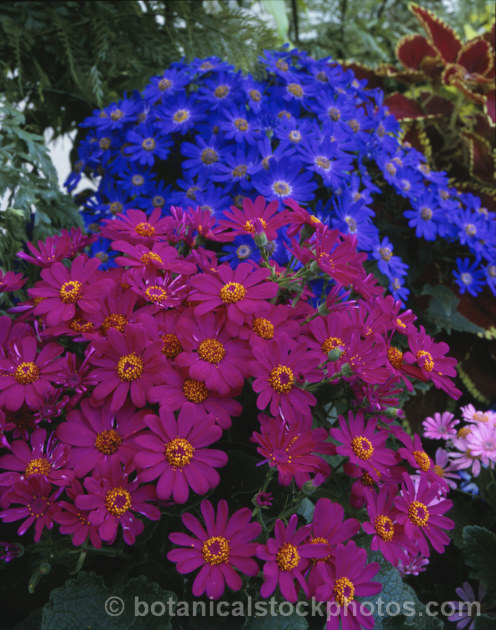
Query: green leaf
(277,622)
(86,602)
(442,310)
(484,622)
(479,549)
(277,8)
(306,509)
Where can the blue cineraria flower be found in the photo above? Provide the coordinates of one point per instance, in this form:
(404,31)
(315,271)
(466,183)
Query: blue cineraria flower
(398,289)
(333,107)
(254,92)
(116,115)
(469,277)
(191,186)
(145,144)
(471,229)
(180,114)
(386,262)
(158,197)
(280,63)
(490,272)
(105,203)
(220,90)
(161,87)
(237,168)
(278,250)
(203,155)
(424,216)
(283,180)
(408,182)
(354,218)
(267,152)
(327,160)
(238,125)
(297,89)
(137,180)
(101,249)
(468,484)
(294,133)
(207,65)
(213,199)
(242,249)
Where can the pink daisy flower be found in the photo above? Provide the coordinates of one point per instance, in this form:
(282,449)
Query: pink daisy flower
(440,427)
(421,513)
(97,434)
(446,468)
(181,388)
(430,358)
(112,500)
(413,566)
(470,414)
(37,505)
(363,445)
(46,458)
(63,289)
(136,227)
(173,451)
(127,364)
(343,581)
(242,291)
(255,217)
(388,535)
(211,354)
(482,443)
(291,449)
(287,556)
(74,521)
(221,548)
(463,456)
(27,374)
(10,281)
(281,366)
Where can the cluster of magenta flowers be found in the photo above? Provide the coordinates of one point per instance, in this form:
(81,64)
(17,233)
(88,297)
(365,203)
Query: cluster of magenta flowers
(202,134)
(467,448)
(118,384)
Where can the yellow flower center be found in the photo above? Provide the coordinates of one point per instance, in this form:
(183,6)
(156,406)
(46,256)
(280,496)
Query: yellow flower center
(117,114)
(118,501)
(221,91)
(344,591)
(114,320)
(108,442)
(334,113)
(164,84)
(384,527)
(400,324)
(240,171)
(79,324)
(281,379)
(171,345)
(179,452)
(216,550)
(211,350)
(385,253)
(282,65)
(323,162)
(438,470)
(463,432)
(470,229)
(425,361)
(39,466)
(130,367)
(195,391)
(232,292)
(362,447)
(479,416)
(250,228)
(150,257)
(395,357)
(148,144)
(418,513)
(144,229)
(70,291)
(181,115)
(105,143)
(426,213)
(295,135)
(287,557)
(255,95)
(156,294)
(241,124)
(422,459)
(209,156)
(354,124)
(138,180)
(158,201)
(115,207)
(318,541)
(27,372)
(263,327)
(295,89)
(331,343)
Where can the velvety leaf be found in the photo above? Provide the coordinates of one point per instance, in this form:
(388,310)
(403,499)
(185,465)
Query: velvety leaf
(403,107)
(442,36)
(479,549)
(476,57)
(413,51)
(276,622)
(490,106)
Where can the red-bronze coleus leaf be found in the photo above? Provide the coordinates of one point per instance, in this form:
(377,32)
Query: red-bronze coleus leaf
(481,158)
(415,52)
(436,105)
(403,107)
(490,106)
(408,76)
(455,75)
(442,36)
(415,136)
(476,57)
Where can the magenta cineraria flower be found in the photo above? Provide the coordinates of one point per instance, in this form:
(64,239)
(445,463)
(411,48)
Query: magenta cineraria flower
(27,374)
(440,427)
(173,451)
(9,551)
(10,281)
(287,556)
(53,249)
(413,566)
(255,217)
(136,227)
(446,468)
(62,289)
(342,582)
(38,506)
(388,535)
(211,354)
(242,291)
(219,548)
(73,520)
(98,434)
(127,364)
(263,499)
(112,500)
(45,458)
(420,512)
(161,256)
(359,441)
(291,449)
(282,364)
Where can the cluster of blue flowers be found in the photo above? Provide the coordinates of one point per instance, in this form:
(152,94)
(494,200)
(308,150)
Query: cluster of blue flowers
(204,135)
